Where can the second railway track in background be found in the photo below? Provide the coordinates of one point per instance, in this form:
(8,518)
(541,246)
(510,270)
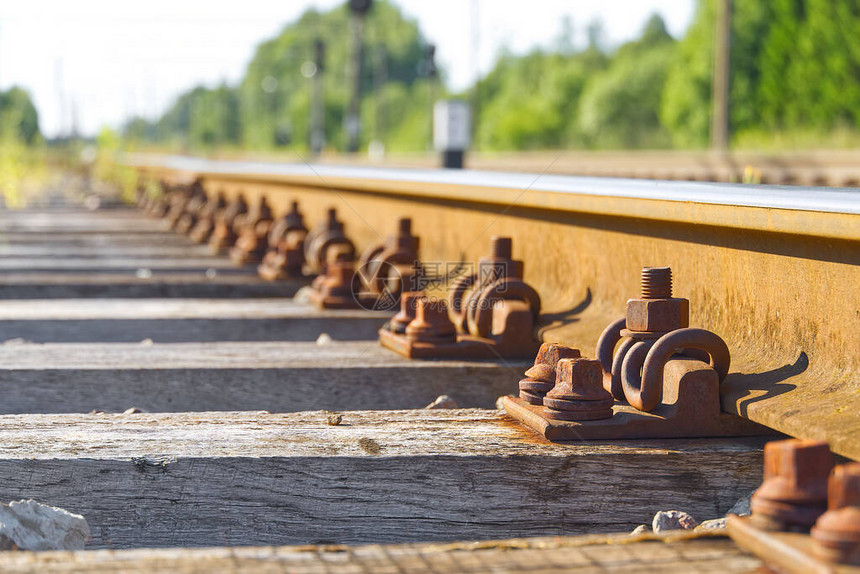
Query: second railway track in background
(235,446)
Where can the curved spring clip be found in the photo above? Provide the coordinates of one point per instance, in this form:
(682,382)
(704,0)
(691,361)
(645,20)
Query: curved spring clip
(457,300)
(642,366)
(376,271)
(605,347)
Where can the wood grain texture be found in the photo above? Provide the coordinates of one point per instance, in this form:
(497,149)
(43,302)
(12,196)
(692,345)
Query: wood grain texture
(91,240)
(585,554)
(180,320)
(90,251)
(127,285)
(395,476)
(74,264)
(234,308)
(115,221)
(278,377)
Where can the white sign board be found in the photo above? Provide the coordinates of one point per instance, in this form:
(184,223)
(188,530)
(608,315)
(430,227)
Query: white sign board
(452,125)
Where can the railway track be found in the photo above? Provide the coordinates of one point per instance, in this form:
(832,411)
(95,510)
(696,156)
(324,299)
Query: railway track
(270,421)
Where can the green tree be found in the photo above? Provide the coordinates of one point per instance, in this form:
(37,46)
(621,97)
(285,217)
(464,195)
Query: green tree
(18,115)
(811,65)
(202,117)
(531,101)
(620,106)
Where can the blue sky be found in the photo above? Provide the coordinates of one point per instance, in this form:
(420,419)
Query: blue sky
(102,60)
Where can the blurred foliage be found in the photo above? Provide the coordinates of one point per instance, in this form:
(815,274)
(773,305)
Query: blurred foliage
(795,77)
(22,154)
(620,106)
(108,169)
(511,117)
(18,117)
(12,170)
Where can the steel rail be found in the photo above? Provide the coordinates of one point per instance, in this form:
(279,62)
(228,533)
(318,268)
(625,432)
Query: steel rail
(824,199)
(814,211)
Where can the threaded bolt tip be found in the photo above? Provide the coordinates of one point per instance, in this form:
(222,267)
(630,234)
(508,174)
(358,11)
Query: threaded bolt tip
(501,247)
(656,282)
(405,226)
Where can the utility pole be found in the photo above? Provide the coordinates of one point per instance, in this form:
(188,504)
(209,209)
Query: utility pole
(351,120)
(318,100)
(720,84)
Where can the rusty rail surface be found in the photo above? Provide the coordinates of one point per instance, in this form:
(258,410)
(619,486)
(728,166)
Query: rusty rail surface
(774,271)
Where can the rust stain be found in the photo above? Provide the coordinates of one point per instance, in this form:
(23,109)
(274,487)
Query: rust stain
(369,445)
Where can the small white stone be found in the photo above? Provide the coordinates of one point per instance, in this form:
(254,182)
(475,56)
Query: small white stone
(30,525)
(211,273)
(303,295)
(147,343)
(672,520)
(324,339)
(143,273)
(443,402)
(713,524)
(641,529)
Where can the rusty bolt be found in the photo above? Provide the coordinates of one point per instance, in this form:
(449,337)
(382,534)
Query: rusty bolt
(540,378)
(501,248)
(656,311)
(264,211)
(404,226)
(404,240)
(794,491)
(339,253)
(333,223)
(500,263)
(837,531)
(325,238)
(578,394)
(408,305)
(431,323)
(656,282)
(294,217)
(294,257)
(339,281)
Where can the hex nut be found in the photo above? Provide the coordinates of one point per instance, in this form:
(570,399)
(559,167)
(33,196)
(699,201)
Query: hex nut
(578,394)
(797,470)
(794,491)
(547,359)
(837,532)
(579,379)
(658,315)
